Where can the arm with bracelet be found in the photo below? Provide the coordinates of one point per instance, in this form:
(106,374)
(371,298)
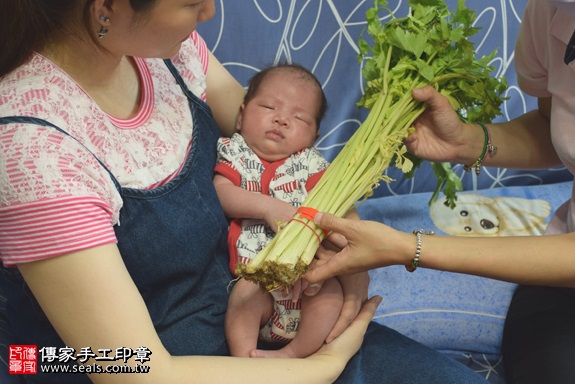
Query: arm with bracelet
(521,143)
(488,150)
(542,266)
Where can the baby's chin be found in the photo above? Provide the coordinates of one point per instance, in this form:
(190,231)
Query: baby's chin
(270,155)
(271,158)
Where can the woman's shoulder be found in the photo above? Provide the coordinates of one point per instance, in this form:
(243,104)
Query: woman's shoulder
(39,88)
(192,63)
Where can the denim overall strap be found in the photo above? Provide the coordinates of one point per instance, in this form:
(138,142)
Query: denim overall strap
(44,123)
(173,240)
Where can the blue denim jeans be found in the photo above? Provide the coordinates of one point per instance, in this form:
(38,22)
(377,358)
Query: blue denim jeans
(388,357)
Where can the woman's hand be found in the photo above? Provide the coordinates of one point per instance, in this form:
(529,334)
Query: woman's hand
(348,343)
(369,245)
(355,291)
(439,133)
(103,318)
(354,286)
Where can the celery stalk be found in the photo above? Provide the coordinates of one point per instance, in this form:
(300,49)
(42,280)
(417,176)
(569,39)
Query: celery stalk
(427,47)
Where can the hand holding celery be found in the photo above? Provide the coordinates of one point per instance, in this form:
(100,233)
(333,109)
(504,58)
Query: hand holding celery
(428,47)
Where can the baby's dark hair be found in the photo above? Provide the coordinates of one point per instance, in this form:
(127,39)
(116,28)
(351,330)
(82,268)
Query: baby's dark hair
(255,82)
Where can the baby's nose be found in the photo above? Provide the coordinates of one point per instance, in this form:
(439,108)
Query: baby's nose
(280,119)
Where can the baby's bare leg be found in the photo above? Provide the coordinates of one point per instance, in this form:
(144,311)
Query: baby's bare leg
(248,309)
(319,314)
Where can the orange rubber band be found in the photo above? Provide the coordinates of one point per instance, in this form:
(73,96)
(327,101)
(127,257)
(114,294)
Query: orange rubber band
(314,232)
(307,212)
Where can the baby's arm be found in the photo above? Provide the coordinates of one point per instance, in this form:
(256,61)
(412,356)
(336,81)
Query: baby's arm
(241,203)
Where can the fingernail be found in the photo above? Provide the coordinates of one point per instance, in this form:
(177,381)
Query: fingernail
(311,290)
(317,218)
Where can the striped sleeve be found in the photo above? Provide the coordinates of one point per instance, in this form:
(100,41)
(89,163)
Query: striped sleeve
(192,63)
(53,227)
(202,48)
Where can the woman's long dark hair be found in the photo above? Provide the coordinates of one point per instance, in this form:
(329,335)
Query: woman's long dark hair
(29,25)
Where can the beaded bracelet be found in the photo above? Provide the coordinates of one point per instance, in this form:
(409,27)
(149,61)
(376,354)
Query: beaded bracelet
(415,262)
(488,148)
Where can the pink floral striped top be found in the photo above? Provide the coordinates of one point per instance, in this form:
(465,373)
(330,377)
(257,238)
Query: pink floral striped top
(55,198)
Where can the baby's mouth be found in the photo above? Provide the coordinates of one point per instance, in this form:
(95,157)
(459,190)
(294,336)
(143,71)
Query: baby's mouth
(275,134)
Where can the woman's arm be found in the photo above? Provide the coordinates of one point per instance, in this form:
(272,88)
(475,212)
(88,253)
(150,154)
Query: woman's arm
(535,260)
(91,300)
(522,143)
(525,142)
(224,95)
(538,260)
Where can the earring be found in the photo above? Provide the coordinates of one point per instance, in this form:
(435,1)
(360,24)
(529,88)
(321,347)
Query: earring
(103,30)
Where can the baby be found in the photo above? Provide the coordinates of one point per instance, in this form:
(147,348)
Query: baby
(264,173)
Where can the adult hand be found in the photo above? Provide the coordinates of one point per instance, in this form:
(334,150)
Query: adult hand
(354,286)
(329,247)
(355,290)
(369,245)
(438,130)
(348,343)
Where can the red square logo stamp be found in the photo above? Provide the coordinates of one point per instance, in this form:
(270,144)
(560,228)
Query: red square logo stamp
(23,359)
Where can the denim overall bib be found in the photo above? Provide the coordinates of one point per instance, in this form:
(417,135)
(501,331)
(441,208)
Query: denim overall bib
(173,240)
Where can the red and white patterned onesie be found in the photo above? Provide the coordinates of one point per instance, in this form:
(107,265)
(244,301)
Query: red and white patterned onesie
(288,180)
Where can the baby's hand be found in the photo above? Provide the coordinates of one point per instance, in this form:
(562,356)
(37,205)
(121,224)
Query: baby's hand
(296,290)
(278,213)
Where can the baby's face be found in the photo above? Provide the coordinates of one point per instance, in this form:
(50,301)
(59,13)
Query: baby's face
(281,119)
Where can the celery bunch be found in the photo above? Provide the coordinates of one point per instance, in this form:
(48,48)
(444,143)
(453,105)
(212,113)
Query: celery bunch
(430,46)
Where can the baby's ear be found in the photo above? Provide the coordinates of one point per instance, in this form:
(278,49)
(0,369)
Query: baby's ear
(239,118)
